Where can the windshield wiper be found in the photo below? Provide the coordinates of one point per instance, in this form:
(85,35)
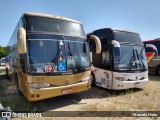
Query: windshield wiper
(139,59)
(56,58)
(133,60)
(79,67)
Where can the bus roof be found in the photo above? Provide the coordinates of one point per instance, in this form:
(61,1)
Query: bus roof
(115,29)
(123,30)
(50,16)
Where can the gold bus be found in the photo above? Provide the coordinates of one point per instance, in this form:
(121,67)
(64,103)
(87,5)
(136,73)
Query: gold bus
(49,56)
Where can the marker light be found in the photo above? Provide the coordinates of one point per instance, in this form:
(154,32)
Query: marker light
(120,78)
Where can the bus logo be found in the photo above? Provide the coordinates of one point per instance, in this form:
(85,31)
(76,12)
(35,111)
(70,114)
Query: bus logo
(67,82)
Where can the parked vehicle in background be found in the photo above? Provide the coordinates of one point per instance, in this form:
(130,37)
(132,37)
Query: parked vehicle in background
(154,64)
(3,61)
(49,57)
(122,63)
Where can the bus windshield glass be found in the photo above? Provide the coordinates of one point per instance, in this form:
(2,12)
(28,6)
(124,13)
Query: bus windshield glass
(51,25)
(47,53)
(123,36)
(131,57)
(77,53)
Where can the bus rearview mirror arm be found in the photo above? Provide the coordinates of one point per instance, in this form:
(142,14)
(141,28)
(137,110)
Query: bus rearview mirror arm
(115,43)
(116,47)
(21,41)
(98,43)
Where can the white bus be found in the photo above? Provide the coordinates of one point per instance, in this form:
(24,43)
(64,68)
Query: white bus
(3,61)
(122,63)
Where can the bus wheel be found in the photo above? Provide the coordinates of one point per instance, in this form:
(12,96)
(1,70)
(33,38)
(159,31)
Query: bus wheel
(93,84)
(158,70)
(7,72)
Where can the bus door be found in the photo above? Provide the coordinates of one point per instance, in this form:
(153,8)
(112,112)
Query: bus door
(106,73)
(102,65)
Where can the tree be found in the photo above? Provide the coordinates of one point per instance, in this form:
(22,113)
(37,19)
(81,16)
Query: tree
(3,51)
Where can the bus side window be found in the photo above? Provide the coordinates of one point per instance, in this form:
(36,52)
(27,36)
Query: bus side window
(21,23)
(22,62)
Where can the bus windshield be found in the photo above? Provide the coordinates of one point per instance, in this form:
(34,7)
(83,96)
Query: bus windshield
(43,53)
(131,58)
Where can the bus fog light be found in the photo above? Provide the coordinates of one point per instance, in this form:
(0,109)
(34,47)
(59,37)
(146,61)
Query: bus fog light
(145,77)
(87,79)
(120,78)
(46,85)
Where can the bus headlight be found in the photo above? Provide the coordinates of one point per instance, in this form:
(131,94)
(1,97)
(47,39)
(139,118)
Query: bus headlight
(89,78)
(120,78)
(37,85)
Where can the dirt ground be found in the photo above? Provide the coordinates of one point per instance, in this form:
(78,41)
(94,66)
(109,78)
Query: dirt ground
(95,99)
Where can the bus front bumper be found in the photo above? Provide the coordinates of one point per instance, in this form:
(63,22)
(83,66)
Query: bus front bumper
(120,85)
(44,93)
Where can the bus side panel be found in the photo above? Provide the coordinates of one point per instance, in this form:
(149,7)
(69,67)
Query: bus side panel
(11,65)
(154,63)
(103,78)
(22,79)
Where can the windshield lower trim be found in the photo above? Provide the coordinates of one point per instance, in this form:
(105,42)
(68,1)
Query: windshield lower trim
(57,73)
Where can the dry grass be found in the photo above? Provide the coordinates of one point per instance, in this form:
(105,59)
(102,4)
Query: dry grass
(143,99)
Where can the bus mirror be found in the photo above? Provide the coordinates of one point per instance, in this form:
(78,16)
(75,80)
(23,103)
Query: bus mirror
(153,48)
(21,40)
(117,50)
(98,43)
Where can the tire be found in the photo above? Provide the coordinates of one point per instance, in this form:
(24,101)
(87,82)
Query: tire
(158,70)
(7,72)
(93,84)
(17,83)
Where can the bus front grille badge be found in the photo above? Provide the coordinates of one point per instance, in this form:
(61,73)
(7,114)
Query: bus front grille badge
(67,81)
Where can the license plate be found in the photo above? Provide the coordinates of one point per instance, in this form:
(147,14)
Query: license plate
(66,91)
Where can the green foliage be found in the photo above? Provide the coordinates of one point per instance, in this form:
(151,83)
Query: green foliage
(3,52)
